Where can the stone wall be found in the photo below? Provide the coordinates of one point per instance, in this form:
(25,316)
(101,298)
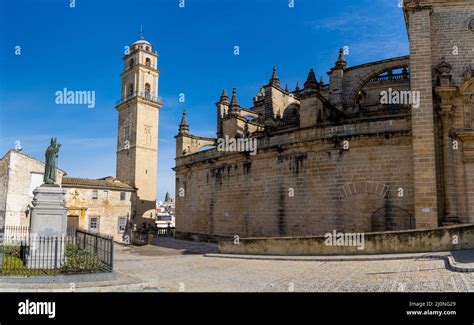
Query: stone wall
(299,183)
(394,242)
(3,189)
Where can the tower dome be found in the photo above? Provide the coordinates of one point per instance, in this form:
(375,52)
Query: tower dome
(142,41)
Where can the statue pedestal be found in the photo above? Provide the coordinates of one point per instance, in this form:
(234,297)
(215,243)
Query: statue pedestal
(48,227)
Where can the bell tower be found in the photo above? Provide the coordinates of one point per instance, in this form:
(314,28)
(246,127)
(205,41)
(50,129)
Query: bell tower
(137,138)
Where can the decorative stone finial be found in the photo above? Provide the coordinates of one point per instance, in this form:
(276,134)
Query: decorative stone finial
(444,71)
(341,60)
(234,104)
(224,98)
(444,68)
(311,82)
(183,126)
(274,81)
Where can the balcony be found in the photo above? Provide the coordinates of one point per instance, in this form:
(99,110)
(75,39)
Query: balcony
(148,66)
(141,95)
(390,76)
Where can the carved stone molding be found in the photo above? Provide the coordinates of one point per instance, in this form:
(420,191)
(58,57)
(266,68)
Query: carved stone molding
(467,74)
(467,138)
(415,5)
(444,72)
(446,95)
(468,86)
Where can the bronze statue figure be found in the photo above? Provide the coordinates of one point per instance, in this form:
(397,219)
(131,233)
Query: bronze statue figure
(50,161)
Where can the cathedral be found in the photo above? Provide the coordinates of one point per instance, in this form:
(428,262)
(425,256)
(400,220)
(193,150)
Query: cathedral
(385,145)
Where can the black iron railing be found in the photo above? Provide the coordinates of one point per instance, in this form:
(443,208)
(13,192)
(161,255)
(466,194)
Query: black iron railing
(98,245)
(82,252)
(165,232)
(147,235)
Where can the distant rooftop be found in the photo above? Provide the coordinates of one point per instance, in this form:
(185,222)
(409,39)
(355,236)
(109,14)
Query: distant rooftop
(19,152)
(101,183)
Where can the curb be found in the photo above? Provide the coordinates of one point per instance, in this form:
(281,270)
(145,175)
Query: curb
(129,287)
(458,267)
(446,256)
(333,258)
(92,277)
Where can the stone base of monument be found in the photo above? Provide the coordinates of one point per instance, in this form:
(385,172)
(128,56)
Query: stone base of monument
(47,227)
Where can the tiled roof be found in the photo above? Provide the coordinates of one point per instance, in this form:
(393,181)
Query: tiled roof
(109,183)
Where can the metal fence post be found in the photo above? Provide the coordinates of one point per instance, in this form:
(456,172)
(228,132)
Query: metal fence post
(56,253)
(111,255)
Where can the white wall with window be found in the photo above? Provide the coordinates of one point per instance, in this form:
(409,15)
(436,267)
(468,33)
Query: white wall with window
(94,223)
(122,224)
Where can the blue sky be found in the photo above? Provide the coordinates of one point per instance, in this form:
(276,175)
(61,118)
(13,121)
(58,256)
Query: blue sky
(81,48)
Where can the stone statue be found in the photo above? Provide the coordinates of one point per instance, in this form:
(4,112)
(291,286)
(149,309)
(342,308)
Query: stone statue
(50,159)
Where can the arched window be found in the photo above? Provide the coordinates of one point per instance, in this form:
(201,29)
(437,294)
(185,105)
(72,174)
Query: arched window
(148,62)
(130,63)
(147,90)
(130,89)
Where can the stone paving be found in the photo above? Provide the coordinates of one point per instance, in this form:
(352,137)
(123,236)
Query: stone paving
(184,266)
(181,270)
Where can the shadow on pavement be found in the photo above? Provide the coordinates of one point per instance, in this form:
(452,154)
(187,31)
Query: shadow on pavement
(171,246)
(464,256)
